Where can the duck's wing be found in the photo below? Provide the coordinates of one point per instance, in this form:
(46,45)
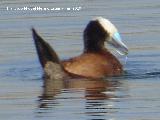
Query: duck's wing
(44,50)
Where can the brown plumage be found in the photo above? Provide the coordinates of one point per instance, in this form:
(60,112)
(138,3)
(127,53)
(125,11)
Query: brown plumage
(94,65)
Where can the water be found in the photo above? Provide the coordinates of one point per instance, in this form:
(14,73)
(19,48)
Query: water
(25,95)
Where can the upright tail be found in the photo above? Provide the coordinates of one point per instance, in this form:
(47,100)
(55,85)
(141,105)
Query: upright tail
(44,50)
(49,60)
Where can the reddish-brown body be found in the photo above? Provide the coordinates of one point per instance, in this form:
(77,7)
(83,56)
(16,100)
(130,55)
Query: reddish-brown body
(94,65)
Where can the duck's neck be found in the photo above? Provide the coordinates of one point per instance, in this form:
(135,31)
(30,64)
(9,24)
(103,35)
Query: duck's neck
(93,46)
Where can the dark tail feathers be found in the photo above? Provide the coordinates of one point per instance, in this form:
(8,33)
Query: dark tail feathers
(44,50)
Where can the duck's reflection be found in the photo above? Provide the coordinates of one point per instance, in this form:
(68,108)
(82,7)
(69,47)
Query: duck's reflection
(95,93)
(51,88)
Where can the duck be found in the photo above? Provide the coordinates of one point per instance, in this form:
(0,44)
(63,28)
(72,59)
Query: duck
(96,61)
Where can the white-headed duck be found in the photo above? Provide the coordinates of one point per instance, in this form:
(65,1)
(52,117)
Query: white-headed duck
(95,61)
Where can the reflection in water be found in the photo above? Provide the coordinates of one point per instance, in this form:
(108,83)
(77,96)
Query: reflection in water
(50,89)
(97,95)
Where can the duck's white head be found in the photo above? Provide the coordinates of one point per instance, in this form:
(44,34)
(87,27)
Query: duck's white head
(100,30)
